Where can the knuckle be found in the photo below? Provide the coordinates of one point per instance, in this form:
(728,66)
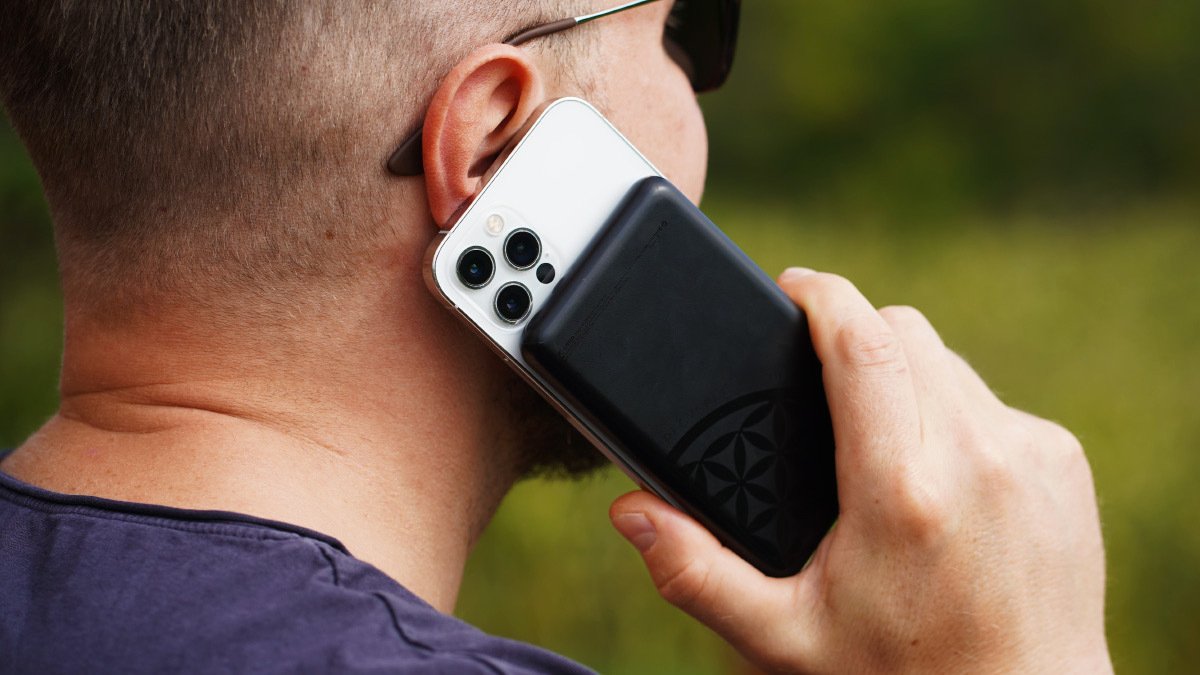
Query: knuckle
(866,343)
(915,332)
(821,285)
(1064,441)
(922,516)
(1048,438)
(993,466)
(686,586)
(904,317)
(1069,450)
(827,283)
(979,443)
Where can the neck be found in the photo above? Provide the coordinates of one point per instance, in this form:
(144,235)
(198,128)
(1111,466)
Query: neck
(361,428)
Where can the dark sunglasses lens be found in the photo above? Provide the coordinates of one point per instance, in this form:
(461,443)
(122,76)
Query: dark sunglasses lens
(701,35)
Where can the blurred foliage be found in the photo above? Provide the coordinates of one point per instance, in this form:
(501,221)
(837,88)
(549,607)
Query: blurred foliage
(926,107)
(1023,172)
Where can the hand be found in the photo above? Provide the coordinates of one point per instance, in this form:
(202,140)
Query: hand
(968,539)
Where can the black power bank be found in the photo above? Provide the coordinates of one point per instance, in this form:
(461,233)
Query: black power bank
(695,369)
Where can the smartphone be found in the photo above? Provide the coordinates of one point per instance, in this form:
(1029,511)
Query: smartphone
(634,316)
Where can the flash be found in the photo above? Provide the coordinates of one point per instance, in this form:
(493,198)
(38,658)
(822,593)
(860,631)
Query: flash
(495,224)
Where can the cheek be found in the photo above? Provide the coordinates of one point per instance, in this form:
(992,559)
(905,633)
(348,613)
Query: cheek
(652,103)
(691,152)
(679,142)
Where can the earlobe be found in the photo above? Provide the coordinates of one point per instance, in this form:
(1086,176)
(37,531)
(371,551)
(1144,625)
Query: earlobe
(479,107)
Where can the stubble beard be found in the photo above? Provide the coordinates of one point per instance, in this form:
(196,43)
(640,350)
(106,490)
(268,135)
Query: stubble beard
(544,443)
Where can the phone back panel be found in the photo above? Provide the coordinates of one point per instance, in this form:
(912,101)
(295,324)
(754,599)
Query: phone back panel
(562,180)
(694,365)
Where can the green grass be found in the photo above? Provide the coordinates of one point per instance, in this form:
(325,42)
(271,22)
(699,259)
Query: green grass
(1089,320)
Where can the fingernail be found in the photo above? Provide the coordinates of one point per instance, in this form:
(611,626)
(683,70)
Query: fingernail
(795,273)
(637,528)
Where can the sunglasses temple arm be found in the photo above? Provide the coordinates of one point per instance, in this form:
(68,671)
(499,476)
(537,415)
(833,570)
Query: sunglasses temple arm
(408,159)
(538,31)
(557,26)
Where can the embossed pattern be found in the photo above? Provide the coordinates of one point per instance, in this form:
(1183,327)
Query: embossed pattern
(746,457)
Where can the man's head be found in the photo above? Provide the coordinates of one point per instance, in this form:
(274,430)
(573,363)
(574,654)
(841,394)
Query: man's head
(226,159)
(208,144)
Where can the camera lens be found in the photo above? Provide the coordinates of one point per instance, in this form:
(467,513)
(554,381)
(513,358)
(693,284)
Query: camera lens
(522,249)
(513,302)
(475,267)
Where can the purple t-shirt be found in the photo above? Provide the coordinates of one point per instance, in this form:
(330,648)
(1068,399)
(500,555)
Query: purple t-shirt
(90,584)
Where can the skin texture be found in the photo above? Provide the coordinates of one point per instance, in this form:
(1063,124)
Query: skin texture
(968,540)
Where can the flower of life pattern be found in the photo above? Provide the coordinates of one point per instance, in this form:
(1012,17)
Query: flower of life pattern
(742,458)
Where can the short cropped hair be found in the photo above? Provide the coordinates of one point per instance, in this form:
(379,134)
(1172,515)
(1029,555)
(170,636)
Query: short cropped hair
(187,146)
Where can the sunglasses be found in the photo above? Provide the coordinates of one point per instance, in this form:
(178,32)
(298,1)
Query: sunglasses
(700,36)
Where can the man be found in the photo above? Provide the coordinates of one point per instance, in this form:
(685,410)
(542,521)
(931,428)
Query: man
(275,450)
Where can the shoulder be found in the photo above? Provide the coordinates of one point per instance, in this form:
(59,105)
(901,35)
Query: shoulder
(141,591)
(348,617)
(422,639)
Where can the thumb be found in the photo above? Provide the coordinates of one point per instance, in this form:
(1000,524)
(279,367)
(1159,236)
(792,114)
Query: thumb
(761,616)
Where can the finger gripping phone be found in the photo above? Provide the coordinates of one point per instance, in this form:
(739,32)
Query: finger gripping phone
(602,286)
(688,359)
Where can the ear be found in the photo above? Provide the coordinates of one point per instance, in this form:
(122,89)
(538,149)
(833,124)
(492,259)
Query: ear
(478,108)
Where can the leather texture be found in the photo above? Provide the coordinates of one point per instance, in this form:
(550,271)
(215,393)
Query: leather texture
(691,364)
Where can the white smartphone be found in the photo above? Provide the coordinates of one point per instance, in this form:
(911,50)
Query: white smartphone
(560,181)
(651,332)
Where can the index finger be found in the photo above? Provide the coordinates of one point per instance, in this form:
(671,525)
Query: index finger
(872,399)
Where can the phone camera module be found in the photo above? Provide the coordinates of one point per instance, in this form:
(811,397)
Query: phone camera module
(522,249)
(513,302)
(475,267)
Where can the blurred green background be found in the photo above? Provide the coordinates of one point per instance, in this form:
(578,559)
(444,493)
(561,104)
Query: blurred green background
(1024,172)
